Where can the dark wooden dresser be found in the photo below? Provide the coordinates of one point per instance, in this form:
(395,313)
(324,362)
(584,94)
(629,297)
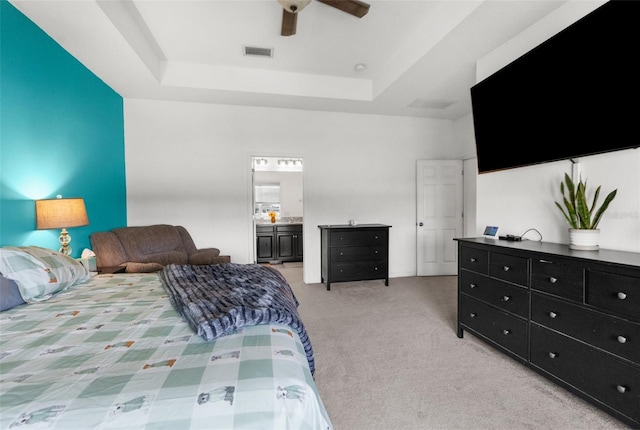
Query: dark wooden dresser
(354,253)
(572,316)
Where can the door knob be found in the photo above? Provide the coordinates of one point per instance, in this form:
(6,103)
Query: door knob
(421,224)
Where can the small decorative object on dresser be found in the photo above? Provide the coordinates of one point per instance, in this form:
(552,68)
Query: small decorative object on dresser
(573,317)
(583,220)
(354,252)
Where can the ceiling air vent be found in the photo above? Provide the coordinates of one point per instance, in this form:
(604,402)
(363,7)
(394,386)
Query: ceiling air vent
(254,51)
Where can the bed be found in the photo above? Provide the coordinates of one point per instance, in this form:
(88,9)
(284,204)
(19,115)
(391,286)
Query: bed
(115,351)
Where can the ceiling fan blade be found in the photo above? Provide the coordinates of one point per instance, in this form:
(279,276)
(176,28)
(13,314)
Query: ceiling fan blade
(353,7)
(288,23)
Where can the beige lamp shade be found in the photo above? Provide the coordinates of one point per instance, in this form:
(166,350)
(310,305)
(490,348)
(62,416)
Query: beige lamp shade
(60,213)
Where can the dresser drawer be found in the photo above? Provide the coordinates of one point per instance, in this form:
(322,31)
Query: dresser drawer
(595,373)
(502,328)
(348,271)
(474,259)
(617,293)
(509,268)
(264,229)
(558,279)
(295,228)
(359,237)
(610,333)
(506,296)
(358,253)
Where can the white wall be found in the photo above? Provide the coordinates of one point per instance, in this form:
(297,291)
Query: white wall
(464,135)
(523,198)
(189,164)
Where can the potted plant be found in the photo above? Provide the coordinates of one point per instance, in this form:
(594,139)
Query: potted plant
(583,219)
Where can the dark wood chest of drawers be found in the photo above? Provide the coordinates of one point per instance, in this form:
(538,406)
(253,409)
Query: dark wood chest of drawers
(354,253)
(572,316)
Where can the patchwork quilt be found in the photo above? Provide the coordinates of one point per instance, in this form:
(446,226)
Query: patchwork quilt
(114,354)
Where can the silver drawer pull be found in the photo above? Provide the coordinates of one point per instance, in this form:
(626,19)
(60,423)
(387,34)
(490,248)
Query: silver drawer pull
(375,252)
(375,237)
(472,314)
(622,295)
(342,253)
(506,298)
(375,268)
(553,280)
(506,268)
(473,259)
(621,389)
(622,339)
(506,332)
(472,285)
(552,355)
(553,314)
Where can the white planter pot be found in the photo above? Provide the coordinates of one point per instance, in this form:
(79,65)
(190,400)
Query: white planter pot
(584,240)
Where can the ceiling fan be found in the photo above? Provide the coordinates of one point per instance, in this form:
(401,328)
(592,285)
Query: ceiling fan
(292,7)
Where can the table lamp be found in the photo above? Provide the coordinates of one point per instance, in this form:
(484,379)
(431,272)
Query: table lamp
(61,213)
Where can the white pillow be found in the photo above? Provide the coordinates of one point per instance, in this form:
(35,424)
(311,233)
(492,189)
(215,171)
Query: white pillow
(39,272)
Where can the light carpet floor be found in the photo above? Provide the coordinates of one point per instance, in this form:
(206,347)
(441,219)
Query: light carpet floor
(389,358)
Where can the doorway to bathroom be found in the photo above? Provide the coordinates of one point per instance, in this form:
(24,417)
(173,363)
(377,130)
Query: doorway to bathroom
(277,184)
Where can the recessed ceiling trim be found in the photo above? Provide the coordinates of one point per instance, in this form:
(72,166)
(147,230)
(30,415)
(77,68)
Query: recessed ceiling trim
(431,104)
(263,81)
(125,16)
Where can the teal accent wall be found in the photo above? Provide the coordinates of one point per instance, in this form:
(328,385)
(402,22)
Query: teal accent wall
(61,132)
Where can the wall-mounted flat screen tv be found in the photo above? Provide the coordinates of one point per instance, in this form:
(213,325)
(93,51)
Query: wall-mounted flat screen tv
(576,94)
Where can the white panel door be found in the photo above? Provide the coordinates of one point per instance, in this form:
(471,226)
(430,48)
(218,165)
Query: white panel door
(439,217)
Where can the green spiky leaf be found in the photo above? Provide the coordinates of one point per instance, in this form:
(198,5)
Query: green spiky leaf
(603,208)
(577,211)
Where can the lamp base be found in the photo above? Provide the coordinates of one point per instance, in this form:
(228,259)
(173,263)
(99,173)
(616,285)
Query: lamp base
(64,239)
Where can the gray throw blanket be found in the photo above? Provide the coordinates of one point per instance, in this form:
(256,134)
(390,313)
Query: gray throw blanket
(218,299)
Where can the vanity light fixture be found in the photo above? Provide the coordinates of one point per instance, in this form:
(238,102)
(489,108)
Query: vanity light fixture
(289,162)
